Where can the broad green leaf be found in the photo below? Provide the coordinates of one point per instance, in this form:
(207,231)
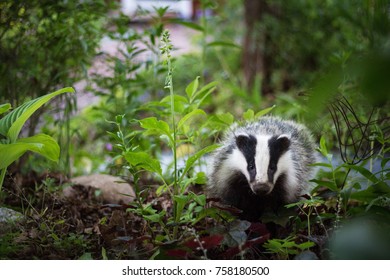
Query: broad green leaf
(226,118)
(4,108)
(42,144)
(181,201)
(200,199)
(192,88)
(145,161)
(329,184)
(323,148)
(223,44)
(13,122)
(306,245)
(372,192)
(192,159)
(365,172)
(189,116)
(154,218)
(264,111)
(179,102)
(158,127)
(249,115)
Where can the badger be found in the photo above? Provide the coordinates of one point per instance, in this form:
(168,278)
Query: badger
(261,165)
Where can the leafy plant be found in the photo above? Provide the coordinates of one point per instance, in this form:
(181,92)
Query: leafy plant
(283,248)
(12,147)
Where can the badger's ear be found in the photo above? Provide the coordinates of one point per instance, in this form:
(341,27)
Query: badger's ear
(283,142)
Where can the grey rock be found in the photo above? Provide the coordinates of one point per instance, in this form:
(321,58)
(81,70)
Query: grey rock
(8,219)
(112,189)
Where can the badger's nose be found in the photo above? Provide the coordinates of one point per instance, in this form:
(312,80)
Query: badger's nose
(261,188)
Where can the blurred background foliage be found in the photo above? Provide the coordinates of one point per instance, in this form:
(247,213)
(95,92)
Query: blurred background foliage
(297,55)
(322,63)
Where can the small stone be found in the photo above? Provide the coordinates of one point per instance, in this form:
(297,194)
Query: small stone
(112,189)
(8,219)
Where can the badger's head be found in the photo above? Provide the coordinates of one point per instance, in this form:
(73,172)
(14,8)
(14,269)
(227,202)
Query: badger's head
(262,159)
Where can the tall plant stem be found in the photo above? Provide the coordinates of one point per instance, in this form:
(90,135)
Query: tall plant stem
(166,49)
(2,176)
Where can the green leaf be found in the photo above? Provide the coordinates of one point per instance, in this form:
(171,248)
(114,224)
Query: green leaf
(321,164)
(188,24)
(13,122)
(154,218)
(306,245)
(158,127)
(329,184)
(365,172)
(42,144)
(204,92)
(4,108)
(192,159)
(181,201)
(223,44)
(144,161)
(372,192)
(323,149)
(264,111)
(200,199)
(192,88)
(189,116)
(249,115)
(226,118)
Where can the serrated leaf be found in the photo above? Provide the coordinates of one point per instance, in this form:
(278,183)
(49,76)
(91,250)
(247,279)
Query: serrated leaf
(189,116)
(145,161)
(13,122)
(192,88)
(4,108)
(264,111)
(41,144)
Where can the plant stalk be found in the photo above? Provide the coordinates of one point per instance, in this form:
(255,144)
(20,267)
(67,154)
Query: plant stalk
(2,176)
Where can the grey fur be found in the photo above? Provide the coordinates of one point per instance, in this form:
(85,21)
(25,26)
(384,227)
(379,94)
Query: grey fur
(303,154)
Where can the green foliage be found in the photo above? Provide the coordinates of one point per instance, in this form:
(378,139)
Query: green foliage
(11,148)
(71,30)
(283,248)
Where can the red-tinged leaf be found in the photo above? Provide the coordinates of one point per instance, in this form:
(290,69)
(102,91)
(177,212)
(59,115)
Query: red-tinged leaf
(207,242)
(177,253)
(259,228)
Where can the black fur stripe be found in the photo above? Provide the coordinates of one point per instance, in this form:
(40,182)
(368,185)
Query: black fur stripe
(247,145)
(277,147)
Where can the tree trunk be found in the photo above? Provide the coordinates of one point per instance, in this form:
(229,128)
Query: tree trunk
(256,63)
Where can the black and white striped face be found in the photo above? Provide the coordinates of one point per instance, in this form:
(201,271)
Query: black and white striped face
(262,159)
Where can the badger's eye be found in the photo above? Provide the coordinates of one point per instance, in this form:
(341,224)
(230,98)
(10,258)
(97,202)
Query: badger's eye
(251,166)
(272,168)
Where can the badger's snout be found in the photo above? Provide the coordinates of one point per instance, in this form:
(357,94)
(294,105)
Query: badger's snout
(262,188)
